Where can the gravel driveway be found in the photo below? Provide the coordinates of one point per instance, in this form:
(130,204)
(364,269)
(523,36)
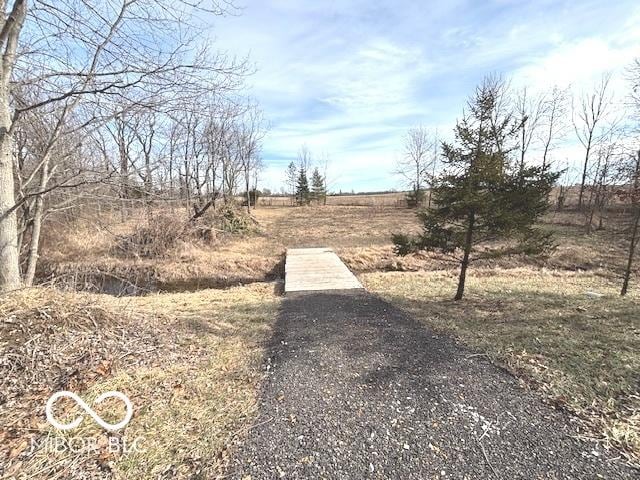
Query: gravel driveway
(356,389)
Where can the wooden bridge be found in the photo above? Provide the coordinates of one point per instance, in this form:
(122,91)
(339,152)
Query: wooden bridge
(311,269)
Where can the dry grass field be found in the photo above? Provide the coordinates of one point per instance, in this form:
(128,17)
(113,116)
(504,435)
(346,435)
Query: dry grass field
(189,354)
(89,257)
(84,256)
(391,199)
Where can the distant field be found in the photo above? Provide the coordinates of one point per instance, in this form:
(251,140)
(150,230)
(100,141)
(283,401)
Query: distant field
(394,199)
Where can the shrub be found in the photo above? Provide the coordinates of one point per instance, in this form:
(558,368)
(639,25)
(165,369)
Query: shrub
(153,238)
(415,198)
(230,219)
(159,236)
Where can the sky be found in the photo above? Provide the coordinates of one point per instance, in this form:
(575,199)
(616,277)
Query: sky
(348,78)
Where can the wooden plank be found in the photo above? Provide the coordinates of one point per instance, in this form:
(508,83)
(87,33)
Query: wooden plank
(318,268)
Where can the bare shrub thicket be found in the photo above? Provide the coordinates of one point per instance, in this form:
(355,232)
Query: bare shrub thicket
(119,106)
(161,235)
(152,239)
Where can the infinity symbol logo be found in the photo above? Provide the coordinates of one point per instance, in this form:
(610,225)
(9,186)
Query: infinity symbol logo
(107,426)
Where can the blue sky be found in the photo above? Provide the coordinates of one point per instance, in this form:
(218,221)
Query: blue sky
(348,78)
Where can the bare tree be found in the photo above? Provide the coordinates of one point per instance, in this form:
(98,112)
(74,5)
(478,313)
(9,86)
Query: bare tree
(632,171)
(292,180)
(123,136)
(11,25)
(589,119)
(325,160)
(305,158)
(145,131)
(231,162)
(529,111)
(99,57)
(553,122)
(600,191)
(249,135)
(219,122)
(418,161)
(631,174)
(633,76)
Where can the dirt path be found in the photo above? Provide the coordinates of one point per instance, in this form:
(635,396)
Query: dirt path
(356,389)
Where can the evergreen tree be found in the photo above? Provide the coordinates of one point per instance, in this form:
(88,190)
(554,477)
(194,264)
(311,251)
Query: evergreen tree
(415,197)
(318,188)
(303,195)
(482,196)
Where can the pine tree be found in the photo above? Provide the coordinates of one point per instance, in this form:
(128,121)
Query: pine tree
(318,189)
(482,196)
(415,197)
(303,195)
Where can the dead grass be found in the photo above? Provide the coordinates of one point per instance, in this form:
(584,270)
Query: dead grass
(87,258)
(189,362)
(362,238)
(336,226)
(90,255)
(390,199)
(569,334)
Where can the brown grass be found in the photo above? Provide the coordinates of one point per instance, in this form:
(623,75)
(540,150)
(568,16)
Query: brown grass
(569,334)
(89,255)
(83,254)
(362,238)
(391,199)
(188,361)
(80,254)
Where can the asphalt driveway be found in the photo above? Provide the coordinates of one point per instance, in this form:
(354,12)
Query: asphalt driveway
(357,389)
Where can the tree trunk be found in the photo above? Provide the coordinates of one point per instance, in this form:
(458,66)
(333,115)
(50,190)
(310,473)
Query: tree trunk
(248,194)
(34,244)
(590,221)
(214,194)
(9,258)
(523,148)
(9,254)
(561,197)
(187,186)
(172,192)
(545,153)
(465,259)
(632,247)
(584,171)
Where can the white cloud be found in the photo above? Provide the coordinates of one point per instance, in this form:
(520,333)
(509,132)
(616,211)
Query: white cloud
(349,78)
(580,64)
(379,74)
